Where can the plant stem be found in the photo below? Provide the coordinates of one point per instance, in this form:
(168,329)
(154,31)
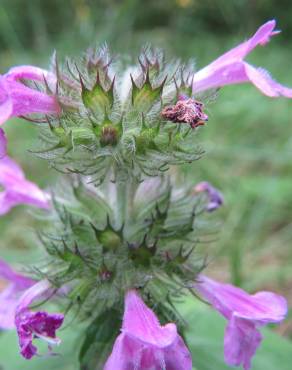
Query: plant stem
(126,189)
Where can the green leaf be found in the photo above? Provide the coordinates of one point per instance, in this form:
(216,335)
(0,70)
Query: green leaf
(205,335)
(99,339)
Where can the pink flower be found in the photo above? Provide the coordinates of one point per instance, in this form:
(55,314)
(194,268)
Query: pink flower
(231,68)
(144,344)
(215,198)
(15,300)
(17,99)
(17,189)
(32,325)
(16,285)
(245,314)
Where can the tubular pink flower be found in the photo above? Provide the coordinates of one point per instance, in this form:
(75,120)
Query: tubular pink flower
(16,99)
(230,68)
(16,285)
(32,325)
(245,314)
(17,190)
(144,344)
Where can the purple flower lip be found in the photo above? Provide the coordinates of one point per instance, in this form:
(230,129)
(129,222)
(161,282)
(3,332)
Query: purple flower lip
(41,324)
(33,325)
(245,314)
(15,300)
(145,344)
(230,68)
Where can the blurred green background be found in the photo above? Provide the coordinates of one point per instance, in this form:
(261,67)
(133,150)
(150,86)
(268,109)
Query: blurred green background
(248,138)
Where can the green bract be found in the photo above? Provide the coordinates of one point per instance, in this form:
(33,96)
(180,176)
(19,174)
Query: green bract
(104,252)
(111,117)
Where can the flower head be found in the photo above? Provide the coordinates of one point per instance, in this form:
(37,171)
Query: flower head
(16,285)
(144,344)
(39,324)
(17,99)
(17,189)
(245,314)
(215,198)
(31,325)
(231,68)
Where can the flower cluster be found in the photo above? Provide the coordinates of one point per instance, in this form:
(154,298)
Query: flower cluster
(126,246)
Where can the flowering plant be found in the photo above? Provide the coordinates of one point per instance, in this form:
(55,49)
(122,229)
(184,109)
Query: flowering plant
(120,234)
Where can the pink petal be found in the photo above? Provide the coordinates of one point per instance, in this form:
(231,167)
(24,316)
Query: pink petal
(261,37)
(26,100)
(30,73)
(18,190)
(240,72)
(35,292)
(144,344)
(276,304)
(8,304)
(241,341)
(140,322)
(177,356)
(232,73)
(10,172)
(7,273)
(6,105)
(245,313)
(262,307)
(265,83)
(16,99)
(231,69)
(16,285)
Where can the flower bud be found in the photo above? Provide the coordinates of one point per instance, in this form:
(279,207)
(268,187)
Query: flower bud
(97,99)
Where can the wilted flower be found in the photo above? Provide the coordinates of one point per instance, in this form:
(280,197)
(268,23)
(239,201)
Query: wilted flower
(144,344)
(215,198)
(16,285)
(31,325)
(230,68)
(186,110)
(17,189)
(245,314)
(17,99)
